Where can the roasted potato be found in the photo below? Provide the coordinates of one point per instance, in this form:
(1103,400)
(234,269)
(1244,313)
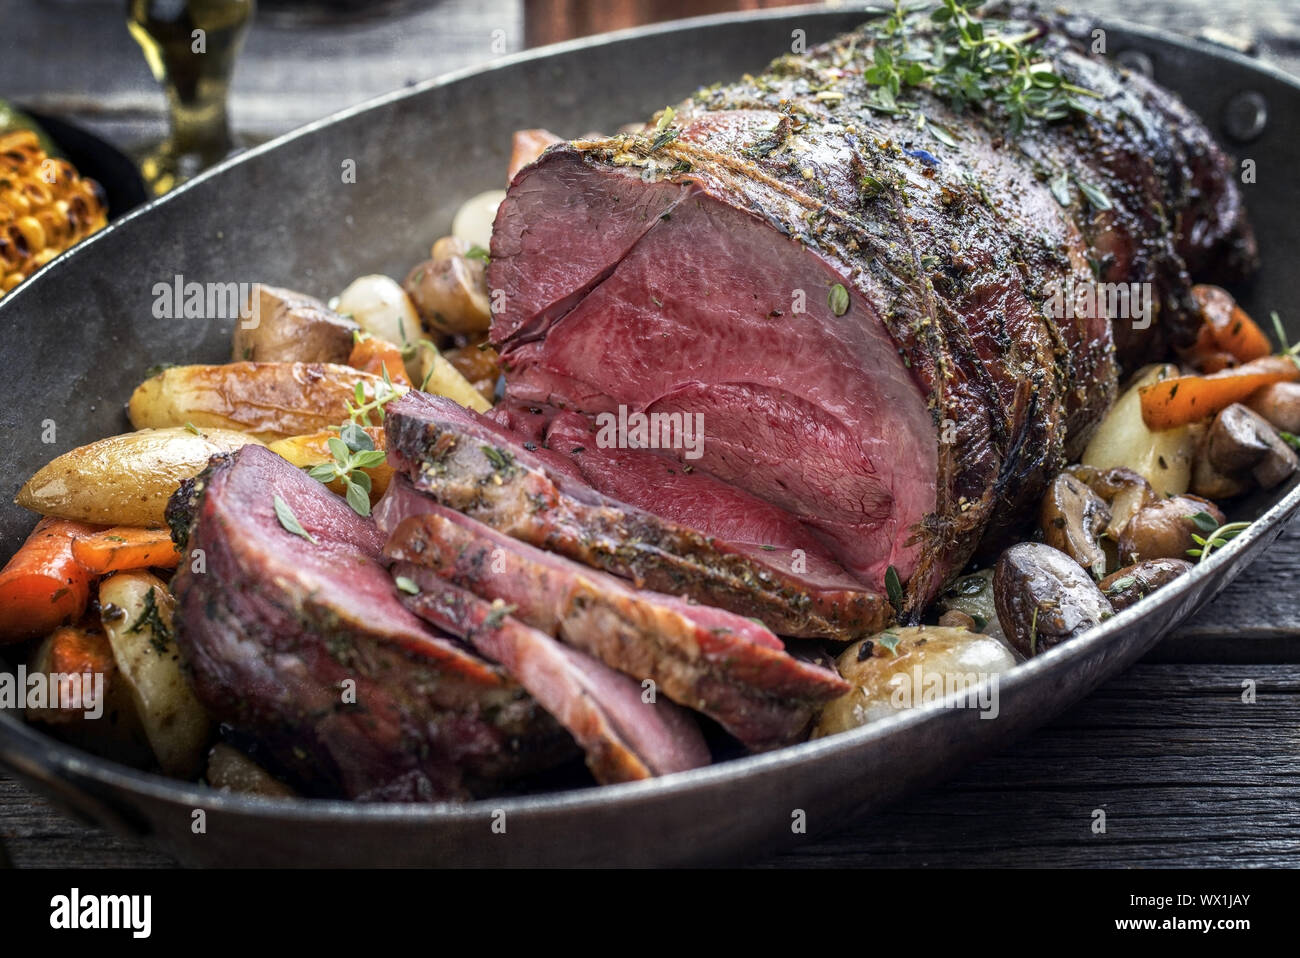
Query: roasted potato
(437,375)
(136,610)
(281,326)
(1163,458)
(266,400)
(926,664)
(313,450)
(125,480)
(450,289)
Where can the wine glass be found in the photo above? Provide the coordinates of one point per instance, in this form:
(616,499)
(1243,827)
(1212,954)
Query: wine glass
(191,46)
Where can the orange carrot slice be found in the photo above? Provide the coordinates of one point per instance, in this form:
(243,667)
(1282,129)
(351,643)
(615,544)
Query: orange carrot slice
(43,585)
(125,547)
(375,355)
(1232,329)
(1180,400)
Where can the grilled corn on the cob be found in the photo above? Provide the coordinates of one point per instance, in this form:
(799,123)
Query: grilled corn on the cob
(45,207)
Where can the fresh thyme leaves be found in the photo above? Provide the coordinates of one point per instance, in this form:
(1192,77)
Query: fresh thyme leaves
(889,640)
(501,460)
(1119,585)
(151,619)
(353,450)
(962,59)
(190,427)
(838,300)
(1216,539)
(289,521)
(1280,331)
(1291,439)
(665,132)
(1204,521)
(894,589)
(406,585)
(479,253)
(1099,200)
(359,412)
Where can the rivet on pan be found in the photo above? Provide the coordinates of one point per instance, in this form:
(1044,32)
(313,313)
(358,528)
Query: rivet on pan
(1245,116)
(1137,61)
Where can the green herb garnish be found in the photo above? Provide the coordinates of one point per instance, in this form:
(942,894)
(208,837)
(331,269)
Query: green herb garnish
(838,300)
(1217,539)
(406,585)
(289,521)
(151,619)
(353,451)
(479,253)
(894,589)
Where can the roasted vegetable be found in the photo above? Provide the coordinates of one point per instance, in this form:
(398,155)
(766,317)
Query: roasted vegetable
(1230,328)
(1164,529)
(477,362)
(125,480)
(1279,403)
(266,400)
(439,376)
(1178,400)
(313,450)
(450,289)
(377,356)
(125,547)
(381,308)
(1044,598)
(230,770)
(1126,586)
(1124,440)
(43,586)
(1072,518)
(45,207)
(914,666)
(136,610)
(290,327)
(526,146)
(1242,442)
(473,221)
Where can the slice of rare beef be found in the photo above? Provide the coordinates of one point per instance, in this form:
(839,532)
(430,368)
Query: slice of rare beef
(477,466)
(731,668)
(626,734)
(300,640)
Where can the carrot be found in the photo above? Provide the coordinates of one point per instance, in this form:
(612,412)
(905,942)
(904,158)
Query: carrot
(374,355)
(125,547)
(1215,362)
(1180,400)
(76,650)
(43,585)
(1232,330)
(69,653)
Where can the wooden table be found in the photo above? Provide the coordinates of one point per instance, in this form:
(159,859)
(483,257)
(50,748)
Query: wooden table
(1187,773)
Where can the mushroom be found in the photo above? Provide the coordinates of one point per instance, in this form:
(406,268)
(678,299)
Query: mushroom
(1123,490)
(1164,529)
(1044,597)
(1241,441)
(1207,481)
(450,289)
(1279,404)
(1126,586)
(1073,518)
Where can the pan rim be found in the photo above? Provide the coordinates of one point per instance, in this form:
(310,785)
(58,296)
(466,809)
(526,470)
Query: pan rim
(36,756)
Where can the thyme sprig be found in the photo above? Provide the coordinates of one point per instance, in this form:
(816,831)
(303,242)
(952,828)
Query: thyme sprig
(1216,539)
(353,451)
(359,412)
(960,59)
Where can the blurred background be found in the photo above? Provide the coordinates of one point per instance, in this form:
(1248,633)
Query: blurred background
(304,59)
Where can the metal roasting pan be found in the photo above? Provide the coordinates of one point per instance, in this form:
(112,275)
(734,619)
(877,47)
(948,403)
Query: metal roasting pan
(78,337)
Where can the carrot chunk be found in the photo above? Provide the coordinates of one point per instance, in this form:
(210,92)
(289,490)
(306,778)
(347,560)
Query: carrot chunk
(1180,400)
(125,547)
(43,585)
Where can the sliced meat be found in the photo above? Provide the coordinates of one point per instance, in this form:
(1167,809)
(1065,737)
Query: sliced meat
(864,314)
(730,668)
(479,467)
(304,645)
(625,737)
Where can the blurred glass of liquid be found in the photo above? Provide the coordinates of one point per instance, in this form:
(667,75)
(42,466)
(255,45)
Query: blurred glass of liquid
(191,46)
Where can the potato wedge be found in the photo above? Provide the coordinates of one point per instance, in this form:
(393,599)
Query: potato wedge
(927,664)
(291,327)
(438,375)
(266,400)
(1162,457)
(136,610)
(125,480)
(381,308)
(313,450)
(230,770)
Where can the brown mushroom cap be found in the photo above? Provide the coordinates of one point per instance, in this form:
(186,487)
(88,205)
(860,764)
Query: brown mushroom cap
(1126,586)
(1164,529)
(1241,441)
(1073,518)
(1044,597)
(1279,404)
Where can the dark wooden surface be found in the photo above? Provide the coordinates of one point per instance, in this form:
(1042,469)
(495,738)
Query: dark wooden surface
(1187,774)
